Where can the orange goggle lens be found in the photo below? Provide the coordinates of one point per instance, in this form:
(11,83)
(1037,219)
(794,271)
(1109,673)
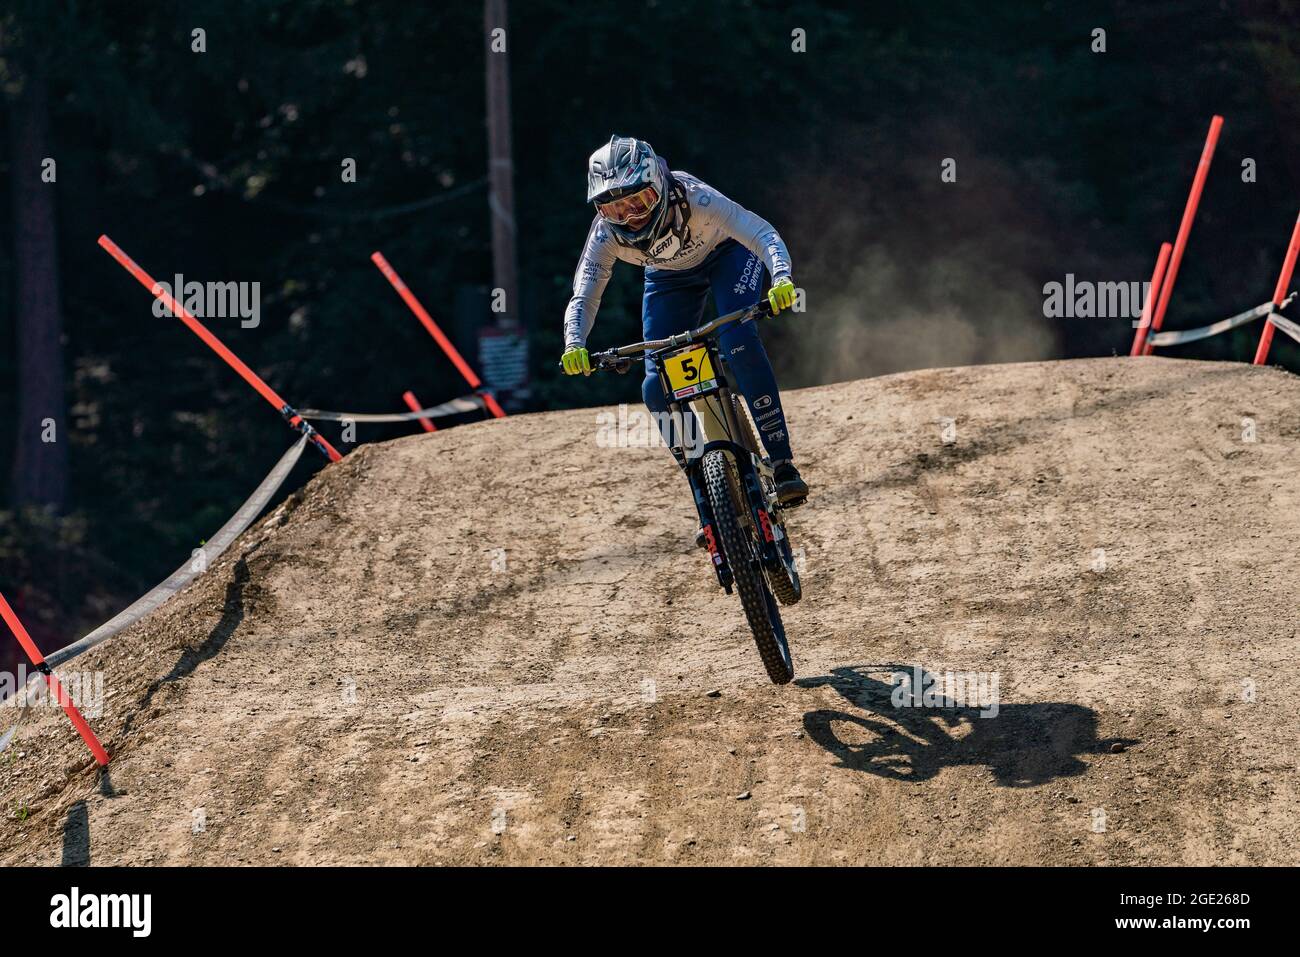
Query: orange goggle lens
(625,208)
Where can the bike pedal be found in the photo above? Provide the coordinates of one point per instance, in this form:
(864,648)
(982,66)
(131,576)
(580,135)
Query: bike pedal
(794,503)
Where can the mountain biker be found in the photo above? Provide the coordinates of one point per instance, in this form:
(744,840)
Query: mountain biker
(691,239)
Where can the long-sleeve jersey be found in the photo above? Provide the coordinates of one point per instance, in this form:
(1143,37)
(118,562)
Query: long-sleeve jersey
(699,219)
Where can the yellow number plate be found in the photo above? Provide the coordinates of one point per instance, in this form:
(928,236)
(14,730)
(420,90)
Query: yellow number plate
(690,372)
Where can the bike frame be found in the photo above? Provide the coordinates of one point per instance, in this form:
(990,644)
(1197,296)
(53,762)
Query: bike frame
(717,416)
(717,413)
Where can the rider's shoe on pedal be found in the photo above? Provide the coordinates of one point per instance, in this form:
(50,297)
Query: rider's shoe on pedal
(791,489)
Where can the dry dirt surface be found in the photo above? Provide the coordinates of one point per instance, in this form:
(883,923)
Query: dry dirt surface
(498,644)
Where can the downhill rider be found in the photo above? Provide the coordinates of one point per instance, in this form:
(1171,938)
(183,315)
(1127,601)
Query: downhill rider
(691,239)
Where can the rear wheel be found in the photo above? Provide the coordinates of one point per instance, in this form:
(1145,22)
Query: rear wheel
(761,610)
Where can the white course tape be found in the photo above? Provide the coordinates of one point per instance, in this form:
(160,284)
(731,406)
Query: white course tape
(1286,325)
(193,568)
(1176,337)
(454,407)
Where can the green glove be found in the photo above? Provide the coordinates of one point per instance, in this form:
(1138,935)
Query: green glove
(575,361)
(782,294)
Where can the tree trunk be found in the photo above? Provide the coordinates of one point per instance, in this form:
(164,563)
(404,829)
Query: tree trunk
(40,465)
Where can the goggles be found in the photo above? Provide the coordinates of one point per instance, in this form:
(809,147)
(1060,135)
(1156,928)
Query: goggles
(626,208)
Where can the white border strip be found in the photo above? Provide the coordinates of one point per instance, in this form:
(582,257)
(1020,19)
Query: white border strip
(1176,337)
(1286,325)
(454,407)
(178,579)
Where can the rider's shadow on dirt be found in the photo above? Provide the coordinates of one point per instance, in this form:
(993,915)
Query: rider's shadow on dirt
(1022,744)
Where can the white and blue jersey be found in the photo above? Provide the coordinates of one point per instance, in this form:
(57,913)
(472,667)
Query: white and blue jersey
(700,219)
(709,246)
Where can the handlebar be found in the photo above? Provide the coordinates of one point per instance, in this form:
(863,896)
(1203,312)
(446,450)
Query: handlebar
(620,359)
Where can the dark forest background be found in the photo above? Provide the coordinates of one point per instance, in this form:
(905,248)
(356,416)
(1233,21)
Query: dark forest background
(225,165)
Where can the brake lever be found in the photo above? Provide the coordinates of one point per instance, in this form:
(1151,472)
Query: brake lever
(603,360)
(620,364)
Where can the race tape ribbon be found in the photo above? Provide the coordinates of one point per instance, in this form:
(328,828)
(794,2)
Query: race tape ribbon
(1286,325)
(454,407)
(1176,337)
(211,550)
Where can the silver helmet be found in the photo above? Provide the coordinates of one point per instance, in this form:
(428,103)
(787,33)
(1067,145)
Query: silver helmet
(627,183)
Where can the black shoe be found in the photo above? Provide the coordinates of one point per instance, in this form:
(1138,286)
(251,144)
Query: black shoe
(791,489)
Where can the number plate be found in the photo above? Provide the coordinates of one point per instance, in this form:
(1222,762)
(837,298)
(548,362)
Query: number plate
(690,372)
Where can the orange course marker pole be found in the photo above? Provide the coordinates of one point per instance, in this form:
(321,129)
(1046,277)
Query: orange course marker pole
(216,345)
(1157,277)
(1185,227)
(426,320)
(1279,293)
(56,689)
(414,405)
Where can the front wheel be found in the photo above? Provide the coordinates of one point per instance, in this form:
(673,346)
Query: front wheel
(760,609)
(785,579)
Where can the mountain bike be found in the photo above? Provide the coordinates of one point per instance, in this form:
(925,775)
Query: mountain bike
(730,476)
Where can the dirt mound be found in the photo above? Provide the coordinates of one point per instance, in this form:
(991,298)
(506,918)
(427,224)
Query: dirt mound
(498,644)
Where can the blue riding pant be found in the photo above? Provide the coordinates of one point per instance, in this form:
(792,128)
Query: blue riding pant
(674,301)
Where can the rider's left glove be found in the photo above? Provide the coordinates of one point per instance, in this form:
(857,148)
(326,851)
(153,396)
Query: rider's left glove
(782,294)
(576,361)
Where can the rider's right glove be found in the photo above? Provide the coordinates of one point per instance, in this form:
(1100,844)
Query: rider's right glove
(575,361)
(782,294)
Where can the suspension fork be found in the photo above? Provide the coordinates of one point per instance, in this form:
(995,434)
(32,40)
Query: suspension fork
(750,481)
(693,470)
(721,568)
(769,532)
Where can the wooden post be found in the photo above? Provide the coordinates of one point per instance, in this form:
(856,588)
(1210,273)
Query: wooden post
(501,174)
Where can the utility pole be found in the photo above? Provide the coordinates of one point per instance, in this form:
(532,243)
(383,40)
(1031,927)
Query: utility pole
(41,455)
(503,345)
